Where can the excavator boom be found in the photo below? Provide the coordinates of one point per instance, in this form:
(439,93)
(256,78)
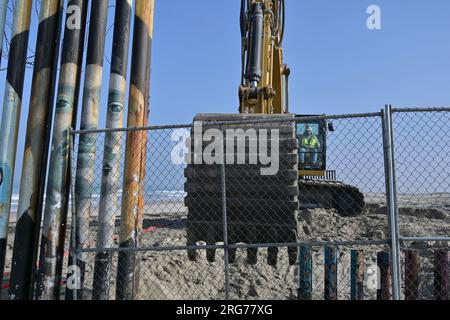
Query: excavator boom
(263,73)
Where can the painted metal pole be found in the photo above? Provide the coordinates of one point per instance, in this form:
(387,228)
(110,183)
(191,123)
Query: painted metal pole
(12,105)
(131,218)
(441,275)
(412,267)
(3,11)
(305,274)
(331,270)
(35,155)
(144,151)
(145,134)
(109,197)
(383,262)
(58,185)
(357,275)
(87,145)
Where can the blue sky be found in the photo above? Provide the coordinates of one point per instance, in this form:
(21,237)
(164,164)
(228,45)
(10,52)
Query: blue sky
(338,65)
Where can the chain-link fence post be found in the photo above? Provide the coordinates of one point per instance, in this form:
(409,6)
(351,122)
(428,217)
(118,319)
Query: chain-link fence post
(225,217)
(395,191)
(74,247)
(391,198)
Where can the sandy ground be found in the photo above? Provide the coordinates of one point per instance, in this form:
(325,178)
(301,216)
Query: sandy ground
(170,275)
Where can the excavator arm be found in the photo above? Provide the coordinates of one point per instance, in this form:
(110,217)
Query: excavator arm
(263,88)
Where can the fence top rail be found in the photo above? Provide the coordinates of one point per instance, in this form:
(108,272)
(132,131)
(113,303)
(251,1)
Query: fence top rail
(405,110)
(340,116)
(275,118)
(150,128)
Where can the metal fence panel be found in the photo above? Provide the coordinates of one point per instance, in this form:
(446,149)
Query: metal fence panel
(422,142)
(217,231)
(423,185)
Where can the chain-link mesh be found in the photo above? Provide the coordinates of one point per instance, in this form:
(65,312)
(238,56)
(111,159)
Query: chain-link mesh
(422,142)
(253,209)
(355,199)
(425,271)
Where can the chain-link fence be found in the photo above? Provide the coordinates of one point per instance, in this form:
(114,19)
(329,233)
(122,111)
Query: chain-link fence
(330,207)
(423,182)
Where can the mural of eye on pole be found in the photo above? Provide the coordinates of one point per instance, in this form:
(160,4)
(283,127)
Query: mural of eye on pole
(38,254)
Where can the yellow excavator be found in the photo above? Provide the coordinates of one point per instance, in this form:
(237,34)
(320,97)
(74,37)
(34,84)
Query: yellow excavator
(262,209)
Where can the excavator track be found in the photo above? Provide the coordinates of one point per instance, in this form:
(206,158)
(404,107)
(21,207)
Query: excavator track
(261,209)
(346,199)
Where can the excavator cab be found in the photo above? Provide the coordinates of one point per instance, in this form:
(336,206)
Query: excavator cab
(312,149)
(318,186)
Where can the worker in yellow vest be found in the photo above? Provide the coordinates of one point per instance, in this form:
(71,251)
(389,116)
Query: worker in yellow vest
(309,147)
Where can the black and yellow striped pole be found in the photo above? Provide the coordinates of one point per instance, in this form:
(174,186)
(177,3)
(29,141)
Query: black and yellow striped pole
(58,185)
(35,155)
(87,142)
(131,220)
(109,197)
(12,104)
